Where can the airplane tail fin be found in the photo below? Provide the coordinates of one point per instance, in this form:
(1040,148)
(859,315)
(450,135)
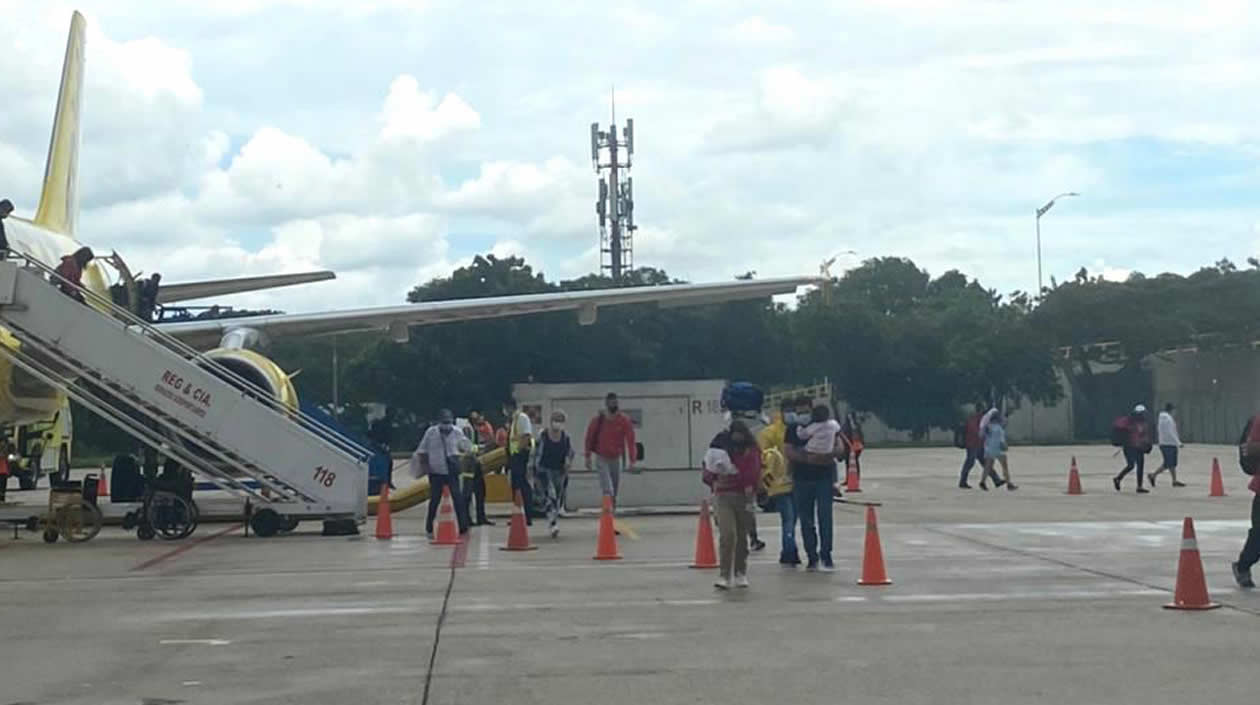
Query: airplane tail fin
(58,202)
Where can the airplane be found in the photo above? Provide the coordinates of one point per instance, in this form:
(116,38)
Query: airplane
(240,343)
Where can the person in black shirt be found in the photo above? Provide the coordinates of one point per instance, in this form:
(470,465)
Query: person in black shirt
(6,207)
(553,457)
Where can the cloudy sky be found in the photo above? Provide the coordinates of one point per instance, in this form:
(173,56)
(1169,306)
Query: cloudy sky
(390,140)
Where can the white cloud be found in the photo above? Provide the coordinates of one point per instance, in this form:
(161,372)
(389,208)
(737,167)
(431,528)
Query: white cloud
(791,110)
(552,199)
(756,30)
(412,113)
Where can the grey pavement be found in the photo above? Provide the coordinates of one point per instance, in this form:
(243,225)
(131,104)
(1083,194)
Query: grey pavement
(998,597)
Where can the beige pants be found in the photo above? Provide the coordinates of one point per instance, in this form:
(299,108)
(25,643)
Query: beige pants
(733,521)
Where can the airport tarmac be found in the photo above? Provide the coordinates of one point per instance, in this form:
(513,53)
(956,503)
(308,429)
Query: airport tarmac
(1023,597)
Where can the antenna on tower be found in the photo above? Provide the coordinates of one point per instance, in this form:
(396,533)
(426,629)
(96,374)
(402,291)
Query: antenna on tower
(615,204)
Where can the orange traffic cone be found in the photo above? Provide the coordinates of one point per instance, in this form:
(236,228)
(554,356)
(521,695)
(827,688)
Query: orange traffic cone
(606,546)
(102,483)
(1074,479)
(1218,484)
(448,527)
(518,535)
(1191,591)
(384,524)
(873,572)
(852,480)
(706,557)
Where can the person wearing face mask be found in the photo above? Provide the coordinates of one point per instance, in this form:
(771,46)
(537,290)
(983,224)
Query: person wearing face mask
(553,459)
(438,457)
(610,439)
(732,467)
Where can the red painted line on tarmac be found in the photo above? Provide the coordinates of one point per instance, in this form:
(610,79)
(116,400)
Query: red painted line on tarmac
(184,547)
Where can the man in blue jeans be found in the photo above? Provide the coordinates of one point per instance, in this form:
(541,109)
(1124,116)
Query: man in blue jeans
(813,486)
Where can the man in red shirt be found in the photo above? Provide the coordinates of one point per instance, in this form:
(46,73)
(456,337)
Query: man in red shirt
(975,449)
(610,438)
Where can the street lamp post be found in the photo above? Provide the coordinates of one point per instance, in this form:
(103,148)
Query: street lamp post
(1040,212)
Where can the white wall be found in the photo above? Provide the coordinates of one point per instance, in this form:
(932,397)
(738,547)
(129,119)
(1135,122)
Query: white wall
(674,420)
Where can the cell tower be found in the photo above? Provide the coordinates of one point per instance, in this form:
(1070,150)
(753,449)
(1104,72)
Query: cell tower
(615,205)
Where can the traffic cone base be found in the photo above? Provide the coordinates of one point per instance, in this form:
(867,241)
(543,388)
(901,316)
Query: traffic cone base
(852,481)
(518,534)
(873,572)
(1191,592)
(606,545)
(448,527)
(1218,484)
(706,557)
(1074,479)
(384,523)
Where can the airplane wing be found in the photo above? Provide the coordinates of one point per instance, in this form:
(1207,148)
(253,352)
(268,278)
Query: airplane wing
(171,293)
(397,319)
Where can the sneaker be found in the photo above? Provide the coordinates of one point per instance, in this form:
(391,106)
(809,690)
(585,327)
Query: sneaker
(1243,578)
(963,486)
(998,483)
(1116,481)
(757,545)
(984,487)
(722,584)
(486,522)
(563,514)
(429,534)
(741,581)
(827,566)
(813,565)
(1179,484)
(555,530)
(1143,490)
(1011,487)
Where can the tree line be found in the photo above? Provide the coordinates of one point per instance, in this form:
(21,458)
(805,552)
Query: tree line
(894,341)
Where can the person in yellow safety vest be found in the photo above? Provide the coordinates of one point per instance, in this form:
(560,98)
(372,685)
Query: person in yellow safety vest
(520,442)
(776,481)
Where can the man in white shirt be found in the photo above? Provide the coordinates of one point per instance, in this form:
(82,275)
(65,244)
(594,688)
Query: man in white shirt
(438,457)
(1169,444)
(520,447)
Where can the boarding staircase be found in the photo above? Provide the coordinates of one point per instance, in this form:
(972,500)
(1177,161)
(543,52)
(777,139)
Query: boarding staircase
(175,399)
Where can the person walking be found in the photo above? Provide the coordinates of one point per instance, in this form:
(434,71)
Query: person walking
(732,467)
(1249,459)
(71,272)
(813,477)
(1137,443)
(554,460)
(520,444)
(610,440)
(776,481)
(4,469)
(995,452)
(851,427)
(973,443)
(438,457)
(1169,446)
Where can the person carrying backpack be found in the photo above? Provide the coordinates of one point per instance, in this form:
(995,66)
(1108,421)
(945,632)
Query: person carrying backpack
(554,457)
(1249,459)
(1134,433)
